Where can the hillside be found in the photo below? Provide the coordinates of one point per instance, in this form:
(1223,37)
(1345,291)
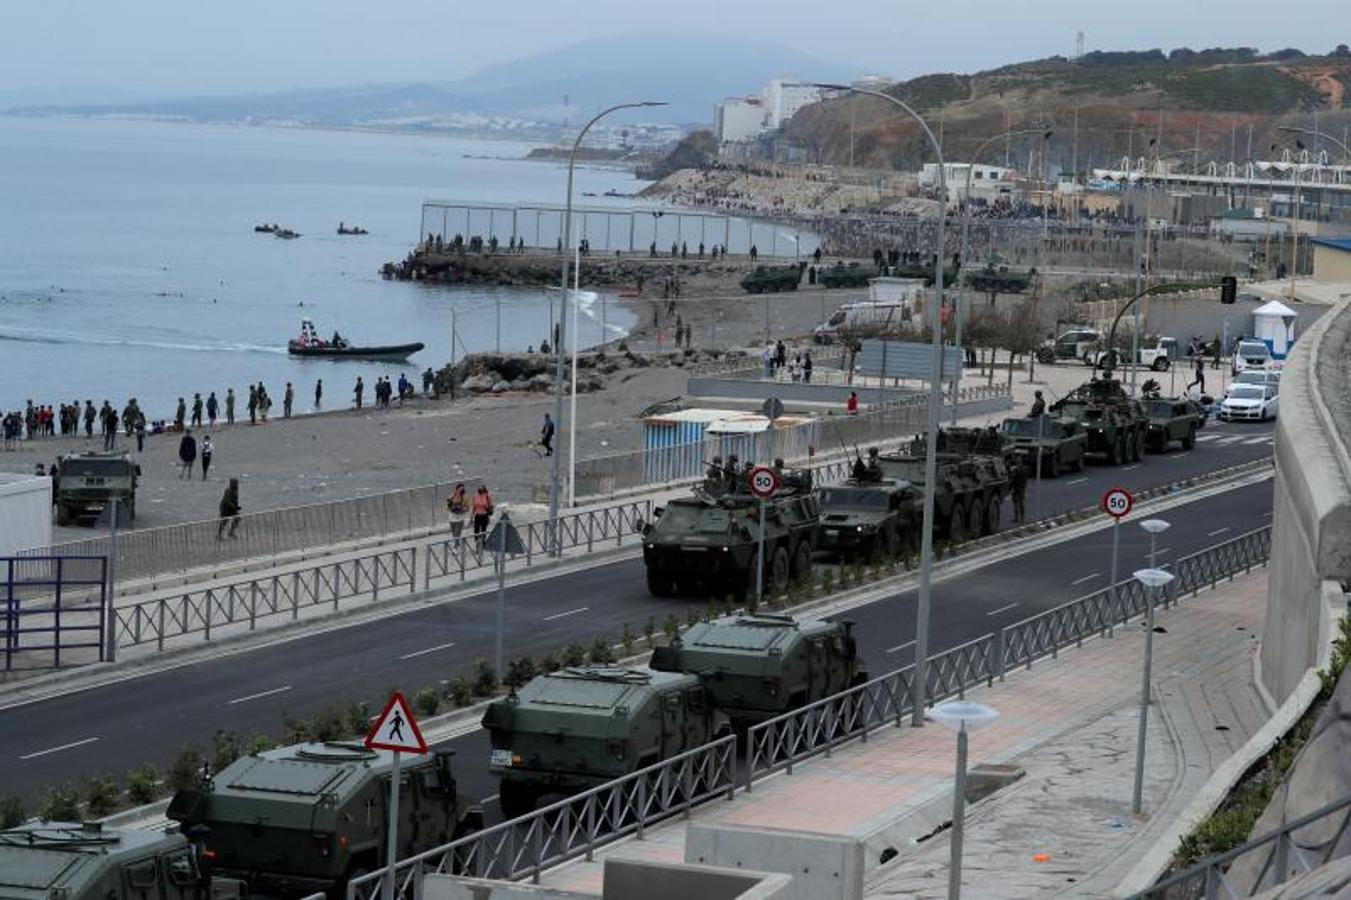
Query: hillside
(1123,100)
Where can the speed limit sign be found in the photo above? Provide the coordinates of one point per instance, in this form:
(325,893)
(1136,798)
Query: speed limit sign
(1117,503)
(764,482)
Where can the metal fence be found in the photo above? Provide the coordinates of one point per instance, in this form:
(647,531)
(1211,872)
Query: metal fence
(51,605)
(1263,863)
(574,827)
(368,575)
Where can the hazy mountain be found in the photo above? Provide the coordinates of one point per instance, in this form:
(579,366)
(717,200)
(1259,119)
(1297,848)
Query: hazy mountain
(691,73)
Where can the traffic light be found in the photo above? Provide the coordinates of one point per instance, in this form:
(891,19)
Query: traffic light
(1228,289)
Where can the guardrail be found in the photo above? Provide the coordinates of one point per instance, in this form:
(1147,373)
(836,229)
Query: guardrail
(570,828)
(1262,863)
(249,600)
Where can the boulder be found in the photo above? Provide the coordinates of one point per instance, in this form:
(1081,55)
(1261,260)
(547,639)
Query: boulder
(477,384)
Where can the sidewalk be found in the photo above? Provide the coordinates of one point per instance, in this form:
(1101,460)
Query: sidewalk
(1070,724)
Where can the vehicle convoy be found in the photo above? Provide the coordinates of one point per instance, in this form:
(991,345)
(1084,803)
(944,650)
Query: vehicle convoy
(772,279)
(995,277)
(1115,423)
(969,489)
(869,516)
(760,666)
(582,726)
(310,817)
(88,861)
(1172,419)
(87,483)
(1056,444)
(842,276)
(1072,344)
(709,541)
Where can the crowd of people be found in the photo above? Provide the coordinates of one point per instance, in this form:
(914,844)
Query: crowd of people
(777,365)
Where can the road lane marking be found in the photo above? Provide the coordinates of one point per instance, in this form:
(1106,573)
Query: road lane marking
(1204,438)
(1078,581)
(37,753)
(428,650)
(1077,481)
(899,647)
(280,690)
(562,615)
(1132,466)
(1217,531)
(1005,608)
(1265,439)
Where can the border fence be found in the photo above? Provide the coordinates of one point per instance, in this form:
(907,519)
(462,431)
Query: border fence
(51,605)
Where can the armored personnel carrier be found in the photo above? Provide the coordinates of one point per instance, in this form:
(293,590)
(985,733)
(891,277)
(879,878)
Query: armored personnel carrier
(925,271)
(576,728)
(87,482)
(1116,425)
(309,817)
(709,541)
(973,441)
(772,279)
(757,667)
(968,493)
(62,861)
(869,515)
(842,276)
(1057,444)
(995,277)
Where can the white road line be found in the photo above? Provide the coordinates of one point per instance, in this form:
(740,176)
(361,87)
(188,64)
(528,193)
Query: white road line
(1203,438)
(1078,581)
(899,647)
(37,753)
(428,650)
(1131,466)
(280,690)
(1265,515)
(1264,439)
(1005,608)
(1077,481)
(562,615)
(1217,531)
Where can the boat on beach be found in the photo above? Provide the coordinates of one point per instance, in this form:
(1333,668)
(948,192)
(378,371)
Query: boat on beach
(310,344)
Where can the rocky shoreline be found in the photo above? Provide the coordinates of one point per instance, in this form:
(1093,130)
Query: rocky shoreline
(502,373)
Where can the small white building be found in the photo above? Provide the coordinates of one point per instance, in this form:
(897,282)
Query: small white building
(1274,325)
(25,512)
(988,183)
(739,119)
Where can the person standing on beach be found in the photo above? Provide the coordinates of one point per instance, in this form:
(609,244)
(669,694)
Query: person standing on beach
(229,509)
(187,454)
(89,415)
(458,506)
(208,451)
(318,395)
(180,414)
(140,431)
(110,434)
(229,406)
(253,404)
(286,400)
(212,408)
(483,514)
(358,391)
(546,435)
(196,410)
(264,402)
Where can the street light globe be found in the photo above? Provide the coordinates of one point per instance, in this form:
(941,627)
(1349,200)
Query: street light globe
(1153,578)
(1155,526)
(956,714)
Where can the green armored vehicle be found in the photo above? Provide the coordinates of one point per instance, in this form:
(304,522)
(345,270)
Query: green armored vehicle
(709,542)
(309,817)
(1115,423)
(972,441)
(757,667)
(969,493)
(60,861)
(869,515)
(1172,419)
(579,727)
(925,271)
(995,277)
(842,276)
(772,279)
(1057,444)
(87,482)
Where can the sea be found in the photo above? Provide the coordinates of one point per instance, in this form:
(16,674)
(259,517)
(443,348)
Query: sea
(129,266)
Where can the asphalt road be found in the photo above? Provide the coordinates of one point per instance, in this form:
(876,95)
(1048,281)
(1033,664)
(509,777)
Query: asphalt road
(118,727)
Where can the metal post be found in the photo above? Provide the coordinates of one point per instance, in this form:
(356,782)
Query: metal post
(958,819)
(572,402)
(1116,535)
(110,637)
(1137,800)
(501,601)
(497,304)
(1041,435)
(760,558)
(392,842)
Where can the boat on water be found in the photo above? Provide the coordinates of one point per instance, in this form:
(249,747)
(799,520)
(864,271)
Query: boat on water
(344,228)
(286,234)
(266,228)
(310,344)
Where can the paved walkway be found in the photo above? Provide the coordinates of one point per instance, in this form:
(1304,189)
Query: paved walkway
(1066,827)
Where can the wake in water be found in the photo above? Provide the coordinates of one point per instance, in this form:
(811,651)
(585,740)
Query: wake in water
(25,336)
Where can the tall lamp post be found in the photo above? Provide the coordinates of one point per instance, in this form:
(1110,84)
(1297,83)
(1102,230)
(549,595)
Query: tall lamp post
(935,408)
(966,245)
(961,716)
(1152,579)
(560,358)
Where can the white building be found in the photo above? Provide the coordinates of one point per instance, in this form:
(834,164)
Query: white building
(738,119)
(783,98)
(987,182)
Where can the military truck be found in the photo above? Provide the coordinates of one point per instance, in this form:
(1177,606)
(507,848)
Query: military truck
(969,490)
(842,276)
(995,277)
(758,667)
(1172,419)
(1115,423)
(710,542)
(1056,444)
(925,271)
(310,817)
(582,726)
(70,861)
(772,279)
(87,482)
(869,516)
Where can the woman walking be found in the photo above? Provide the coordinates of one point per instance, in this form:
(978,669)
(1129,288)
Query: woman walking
(483,514)
(458,505)
(208,449)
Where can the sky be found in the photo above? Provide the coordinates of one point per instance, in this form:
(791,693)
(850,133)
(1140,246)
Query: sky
(191,47)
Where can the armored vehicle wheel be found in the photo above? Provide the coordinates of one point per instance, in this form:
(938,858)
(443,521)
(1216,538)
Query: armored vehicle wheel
(515,799)
(992,510)
(957,524)
(659,585)
(1189,441)
(802,561)
(778,570)
(1138,448)
(1116,451)
(1160,364)
(63,514)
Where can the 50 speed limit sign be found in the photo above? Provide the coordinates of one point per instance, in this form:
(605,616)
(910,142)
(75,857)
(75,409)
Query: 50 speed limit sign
(764,482)
(1117,503)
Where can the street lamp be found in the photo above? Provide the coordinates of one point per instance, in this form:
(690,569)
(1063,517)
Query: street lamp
(966,246)
(1152,579)
(935,408)
(555,543)
(1155,527)
(961,716)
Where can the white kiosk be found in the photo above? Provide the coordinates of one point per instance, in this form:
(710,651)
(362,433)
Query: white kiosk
(1274,325)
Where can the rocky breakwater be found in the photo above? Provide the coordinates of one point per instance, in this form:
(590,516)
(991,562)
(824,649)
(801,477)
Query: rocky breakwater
(522,373)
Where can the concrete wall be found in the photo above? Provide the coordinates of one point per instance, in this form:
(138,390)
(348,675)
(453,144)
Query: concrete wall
(627,879)
(822,867)
(25,513)
(1311,516)
(454,887)
(1182,317)
(1331,264)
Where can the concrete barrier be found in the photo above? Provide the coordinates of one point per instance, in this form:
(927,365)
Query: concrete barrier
(822,866)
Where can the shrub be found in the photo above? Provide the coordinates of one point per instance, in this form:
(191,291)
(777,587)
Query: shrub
(628,639)
(828,582)
(261,744)
(460,691)
(427,701)
(485,678)
(752,603)
(574,654)
(294,730)
(60,804)
(671,627)
(691,616)
(142,785)
(186,769)
(330,724)
(548,663)
(225,749)
(12,813)
(649,630)
(520,671)
(357,718)
(602,653)
(101,795)
(711,611)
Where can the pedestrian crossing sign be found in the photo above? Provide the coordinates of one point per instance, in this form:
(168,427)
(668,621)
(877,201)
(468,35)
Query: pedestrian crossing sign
(396,729)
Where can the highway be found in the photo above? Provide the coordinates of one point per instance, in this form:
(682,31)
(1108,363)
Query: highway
(114,728)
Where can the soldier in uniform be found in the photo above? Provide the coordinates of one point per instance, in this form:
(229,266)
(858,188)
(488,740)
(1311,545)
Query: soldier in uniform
(713,478)
(1018,486)
(730,474)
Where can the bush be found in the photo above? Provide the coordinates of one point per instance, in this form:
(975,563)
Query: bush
(520,671)
(628,639)
(602,653)
(828,582)
(574,654)
(261,744)
(548,663)
(186,769)
(225,749)
(142,785)
(330,724)
(60,804)
(357,718)
(671,627)
(485,679)
(650,630)
(101,795)
(460,691)
(691,616)
(427,701)
(12,813)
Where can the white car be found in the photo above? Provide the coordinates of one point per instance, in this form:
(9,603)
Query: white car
(1251,355)
(1263,377)
(1249,402)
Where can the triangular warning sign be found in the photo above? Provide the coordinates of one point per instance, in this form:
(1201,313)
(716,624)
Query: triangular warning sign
(396,729)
